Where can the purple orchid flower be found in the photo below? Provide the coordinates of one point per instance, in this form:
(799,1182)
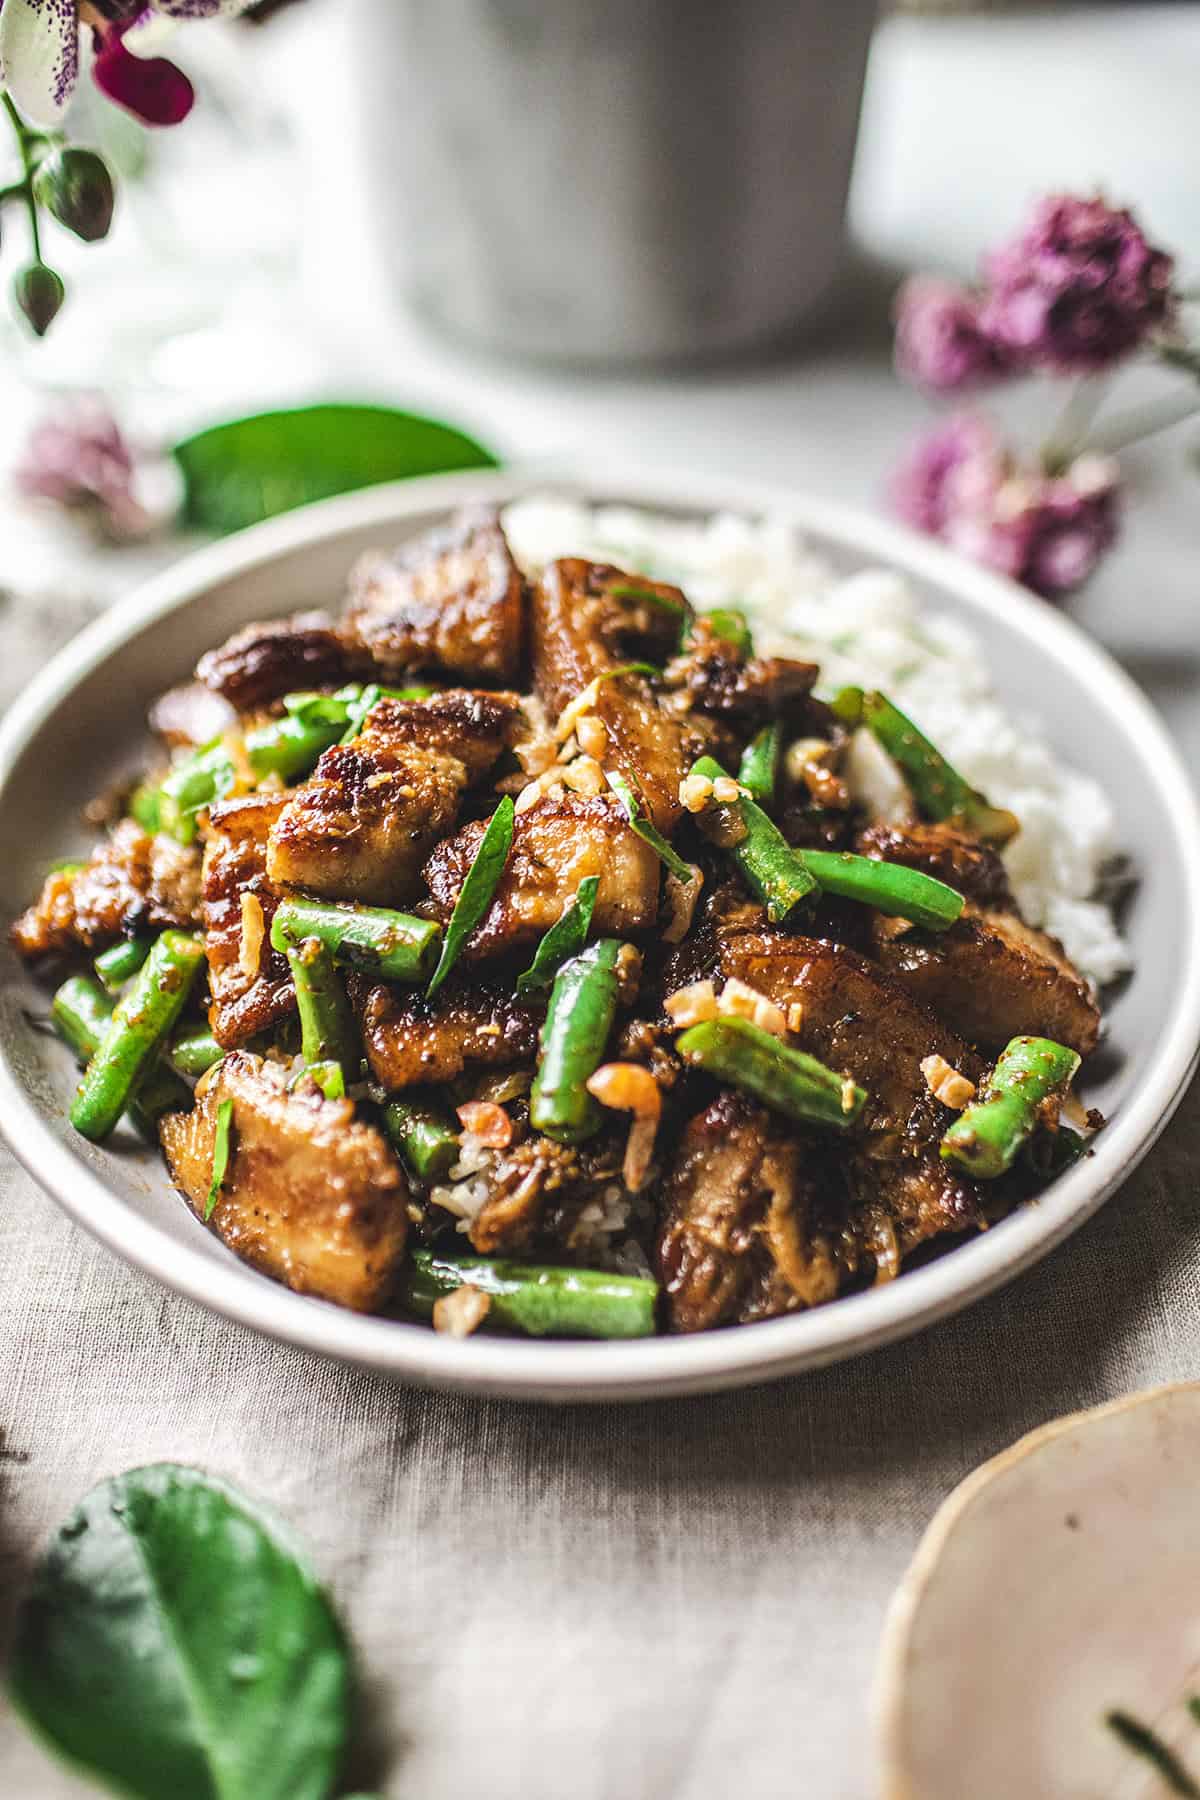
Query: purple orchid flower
(40,55)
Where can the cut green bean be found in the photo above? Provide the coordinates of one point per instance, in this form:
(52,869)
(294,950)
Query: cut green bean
(565,938)
(475,894)
(330,1077)
(758,771)
(540,1302)
(984,1140)
(729,624)
(739,1053)
(140,1024)
(395,946)
(649,833)
(327,1028)
(82,1013)
(122,961)
(889,887)
(773,870)
(220,1162)
(938,789)
(583,1004)
(194,1053)
(422,1134)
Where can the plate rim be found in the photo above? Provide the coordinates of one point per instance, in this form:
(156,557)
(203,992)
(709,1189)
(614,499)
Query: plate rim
(652,1367)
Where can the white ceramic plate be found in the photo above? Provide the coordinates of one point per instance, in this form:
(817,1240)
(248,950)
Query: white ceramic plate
(80,723)
(1057,1584)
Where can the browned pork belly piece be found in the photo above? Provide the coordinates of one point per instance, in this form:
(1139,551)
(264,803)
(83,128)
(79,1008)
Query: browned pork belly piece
(753,690)
(453,600)
(739,1239)
(527,1179)
(264,661)
(311,1197)
(361,826)
(249,993)
(954,857)
(556,845)
(860,1021)
(992,977)
(131,883)
(582,629)
(411,1040)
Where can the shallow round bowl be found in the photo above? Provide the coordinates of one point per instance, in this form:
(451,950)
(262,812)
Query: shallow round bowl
(81,724)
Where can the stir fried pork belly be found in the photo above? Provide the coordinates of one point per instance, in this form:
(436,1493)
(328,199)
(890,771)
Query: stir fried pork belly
(653,1052)
(311,1195)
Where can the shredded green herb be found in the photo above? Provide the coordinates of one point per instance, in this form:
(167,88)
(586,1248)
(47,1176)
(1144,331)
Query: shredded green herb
(633,668)
(475,896)
(648,833)
(627,590)
(1144,1742)
(220,1167)
(729,624)
(565,938)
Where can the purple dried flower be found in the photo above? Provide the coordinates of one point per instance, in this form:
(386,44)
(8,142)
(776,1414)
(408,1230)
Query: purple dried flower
(1079,288)
(79,460)
(959,484)
(939,340)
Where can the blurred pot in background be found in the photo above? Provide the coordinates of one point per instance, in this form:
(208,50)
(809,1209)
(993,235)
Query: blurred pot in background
(613,180)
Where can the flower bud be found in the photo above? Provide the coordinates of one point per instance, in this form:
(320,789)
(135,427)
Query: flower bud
(39,293)
(76,188)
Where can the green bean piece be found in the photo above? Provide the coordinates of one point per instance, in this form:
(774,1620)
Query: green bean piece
(889,887)
(758,771)
(540,1302)
(66,865)
(144,807)
(194,1052)
(773,870)
(122,961)
(394,946)
(475,894)
(327,1029)
(938,789)
(984,1140)
(583,1004)
(729,624)
(565,938)
(739,1053)
(82,1014)
(220,1162)
(140,1024)
(649,833)
(422,1135)
(330,1078)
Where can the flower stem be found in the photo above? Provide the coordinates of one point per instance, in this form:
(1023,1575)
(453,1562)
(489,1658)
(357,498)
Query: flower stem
(25,141)
(1067,439)
(1138,422)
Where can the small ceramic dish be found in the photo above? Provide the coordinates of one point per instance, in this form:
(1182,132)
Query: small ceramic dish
(80,724)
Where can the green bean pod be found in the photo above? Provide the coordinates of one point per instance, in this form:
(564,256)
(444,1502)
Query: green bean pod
(422,1135)
(395,946)
(327,1029)
(772,869)
(742,1055)
(540,1302)
(938,789)
(889,887)
(583,1004)
(194,1053)
(140,1024)
(758,771)
(985,1138)
(118,964)
(82,1014)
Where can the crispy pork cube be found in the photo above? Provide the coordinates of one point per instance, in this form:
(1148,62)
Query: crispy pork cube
(410,1040)
(264,661)
(993,978)
(250,984)
(131,883)
(361,826)
(556,845)
(952,856)
(738,1239)
(311,1196)
(453,600)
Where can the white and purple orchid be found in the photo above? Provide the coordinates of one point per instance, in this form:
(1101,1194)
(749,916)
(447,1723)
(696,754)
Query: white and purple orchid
(40,54)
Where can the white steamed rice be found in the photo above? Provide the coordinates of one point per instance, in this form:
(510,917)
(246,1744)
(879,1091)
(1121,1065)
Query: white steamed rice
(869,629)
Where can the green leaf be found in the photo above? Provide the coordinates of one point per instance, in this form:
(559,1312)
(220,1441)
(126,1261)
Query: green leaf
(565,938)
(175,1642)
(649,833)
(220,1166)
(236,474)
(626,590)
(475,895)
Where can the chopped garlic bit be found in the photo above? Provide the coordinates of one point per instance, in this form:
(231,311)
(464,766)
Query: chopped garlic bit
(629,970)
(725,790)
(738,1000)
(584,776)
(577,709)
(549,782)
(695,792)
(795,1016)
(946,1084)
(458,1314)
(691,1005)
(254,926)
(244,773)
(592,734)
(848,1095)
